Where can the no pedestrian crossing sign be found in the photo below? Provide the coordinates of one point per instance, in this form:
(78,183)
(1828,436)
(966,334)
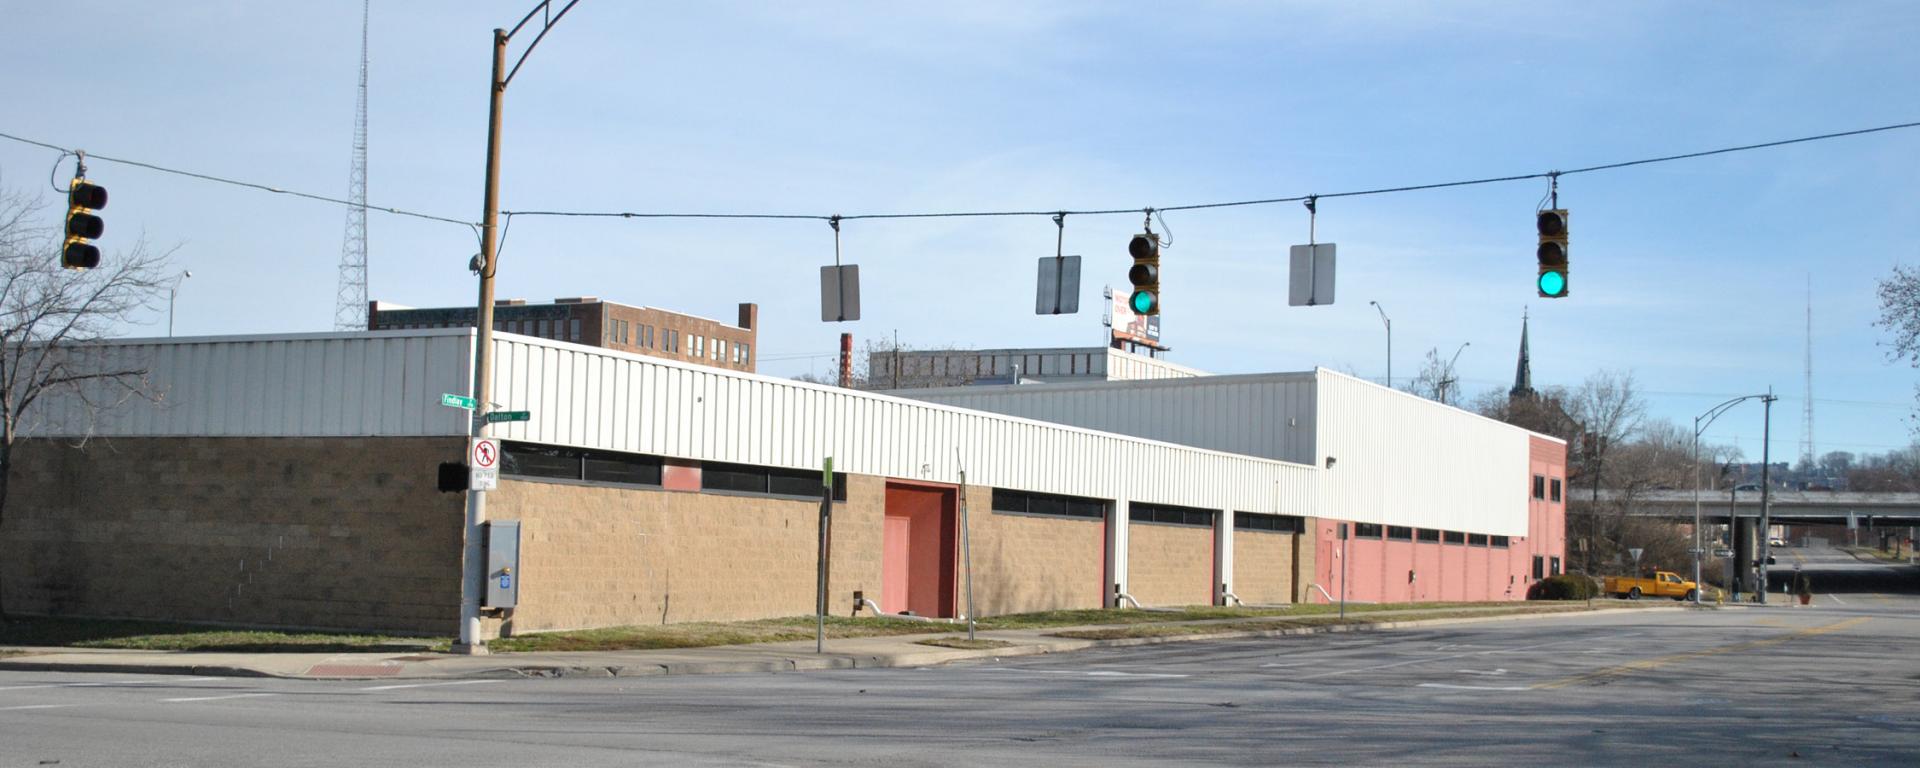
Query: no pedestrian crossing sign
(483,459)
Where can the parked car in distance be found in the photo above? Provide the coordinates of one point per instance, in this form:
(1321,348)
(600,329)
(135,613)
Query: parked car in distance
(1663,584)
(1776,542)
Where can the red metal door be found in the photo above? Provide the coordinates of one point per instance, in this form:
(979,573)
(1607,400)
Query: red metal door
(895,539)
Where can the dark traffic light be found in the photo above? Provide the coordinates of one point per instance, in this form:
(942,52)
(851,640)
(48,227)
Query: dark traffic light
(1145,274)
(83,226)
(1552,281)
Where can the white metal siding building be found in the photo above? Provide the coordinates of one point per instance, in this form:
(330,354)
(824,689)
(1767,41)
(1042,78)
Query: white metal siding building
(952,367)
(1385,456)
(388,384)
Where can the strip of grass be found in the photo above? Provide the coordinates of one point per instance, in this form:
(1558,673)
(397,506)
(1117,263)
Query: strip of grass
(1267,624)
(704,634)
(1092,616)
(171,636)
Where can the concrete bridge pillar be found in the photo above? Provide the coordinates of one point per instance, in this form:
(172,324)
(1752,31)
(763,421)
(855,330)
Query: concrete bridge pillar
(1744,546)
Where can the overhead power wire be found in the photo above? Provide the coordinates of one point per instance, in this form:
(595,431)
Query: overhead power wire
(1230,204)
(983,214)
(237,182)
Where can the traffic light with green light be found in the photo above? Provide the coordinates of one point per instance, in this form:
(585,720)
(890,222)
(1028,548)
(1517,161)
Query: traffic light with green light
(1552,282)
(83,226)
(1145,274)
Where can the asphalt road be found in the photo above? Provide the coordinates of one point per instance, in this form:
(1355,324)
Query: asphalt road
(1835,684)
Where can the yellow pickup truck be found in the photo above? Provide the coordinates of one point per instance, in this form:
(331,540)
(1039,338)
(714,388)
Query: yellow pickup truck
(1663,584)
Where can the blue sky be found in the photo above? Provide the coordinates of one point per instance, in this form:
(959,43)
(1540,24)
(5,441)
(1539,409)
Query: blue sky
(1692,275)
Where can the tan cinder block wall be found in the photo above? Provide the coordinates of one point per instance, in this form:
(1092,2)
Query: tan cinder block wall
(1263,566)
(1304,562)
(596,556)
(1031,562)
(1170,564)
(344,533)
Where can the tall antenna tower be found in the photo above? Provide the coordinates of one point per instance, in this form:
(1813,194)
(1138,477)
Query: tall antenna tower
(1806,426)
(350,309)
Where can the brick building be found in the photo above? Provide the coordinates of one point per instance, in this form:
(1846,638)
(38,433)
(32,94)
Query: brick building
(590,321)
(289,480)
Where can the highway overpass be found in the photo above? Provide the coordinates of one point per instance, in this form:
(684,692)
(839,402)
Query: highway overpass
(1888,510)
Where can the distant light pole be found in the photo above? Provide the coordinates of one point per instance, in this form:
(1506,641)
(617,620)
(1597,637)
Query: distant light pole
(1766,490)
(1446,383)
(1389,323)
(171,293)
(1700,424)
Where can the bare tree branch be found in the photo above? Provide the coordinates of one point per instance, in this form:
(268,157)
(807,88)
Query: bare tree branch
(51,323)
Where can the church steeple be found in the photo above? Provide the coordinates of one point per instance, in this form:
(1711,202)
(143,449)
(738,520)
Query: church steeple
(1523,374)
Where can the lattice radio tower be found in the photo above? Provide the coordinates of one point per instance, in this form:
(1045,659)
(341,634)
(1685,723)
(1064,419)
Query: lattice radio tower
(350,310)
(1806,426)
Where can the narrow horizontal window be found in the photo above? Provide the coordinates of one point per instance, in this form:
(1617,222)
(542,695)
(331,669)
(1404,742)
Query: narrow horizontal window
(1167,514)
(769,481)
(1052,505)
(1399,533)
(1428,534)
(558,463)
(1499,541)
(1250,521)
(1366,530)
(1476,539)
(1454,537)
(529,460)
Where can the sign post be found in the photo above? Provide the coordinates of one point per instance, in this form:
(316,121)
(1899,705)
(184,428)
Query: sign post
(826,553)
(1343,570)
(966,549)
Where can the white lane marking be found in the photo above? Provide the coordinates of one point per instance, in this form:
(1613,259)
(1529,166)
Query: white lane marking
(1132,674)
(218,698)
(1288,664)
(1836,598)
(37,706)
(429,685)
(1084,673)
(1444,658)
(1490,673)
(1475,687)
(120,682)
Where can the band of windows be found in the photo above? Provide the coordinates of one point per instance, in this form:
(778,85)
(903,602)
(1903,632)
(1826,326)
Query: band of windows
(1249,521)
(1408,533)
(1028,503)
(553,462)
(1168,514)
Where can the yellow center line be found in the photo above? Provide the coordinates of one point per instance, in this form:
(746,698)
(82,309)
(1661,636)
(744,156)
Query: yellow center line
(1649,664)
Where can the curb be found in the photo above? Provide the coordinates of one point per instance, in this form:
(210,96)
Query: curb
(916,658)
(138,669)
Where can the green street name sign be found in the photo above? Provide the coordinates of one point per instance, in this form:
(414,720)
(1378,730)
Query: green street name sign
(500,416)
(457,401)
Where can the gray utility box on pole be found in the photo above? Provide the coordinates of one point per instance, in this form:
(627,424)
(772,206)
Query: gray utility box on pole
(503,564)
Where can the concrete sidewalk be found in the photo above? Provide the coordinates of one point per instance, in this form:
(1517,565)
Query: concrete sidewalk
(850,653)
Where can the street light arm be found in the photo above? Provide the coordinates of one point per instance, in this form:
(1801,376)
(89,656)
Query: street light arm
(546,25)
(1701,422)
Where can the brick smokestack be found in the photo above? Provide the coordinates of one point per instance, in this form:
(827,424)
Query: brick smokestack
(846,360)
